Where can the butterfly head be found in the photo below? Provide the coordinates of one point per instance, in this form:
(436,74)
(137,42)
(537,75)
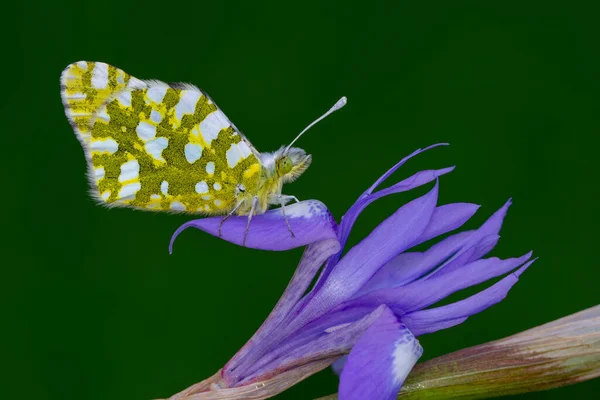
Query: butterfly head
(291,162)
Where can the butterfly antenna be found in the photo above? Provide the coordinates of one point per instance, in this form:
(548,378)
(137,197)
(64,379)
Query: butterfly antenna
(340,103)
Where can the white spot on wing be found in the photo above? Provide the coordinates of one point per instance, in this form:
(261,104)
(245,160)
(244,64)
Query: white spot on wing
(128,192)
(136,83)
(108,145)
(82,65)
(105,195)
(236,153)
(125,98)
(76,96)
(233,155)
(155,196)
(157,93)
(99,173)
(100,76)
(212,125)
(145,131)
(156,146)
(201,187)
(193,152)
(217,186)
(210,168)
(129,170)
(103,115)
(155,116)
(218,203)
(177,206)
(187,103)
(164,187)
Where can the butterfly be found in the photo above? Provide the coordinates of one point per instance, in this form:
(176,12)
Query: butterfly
(155,146)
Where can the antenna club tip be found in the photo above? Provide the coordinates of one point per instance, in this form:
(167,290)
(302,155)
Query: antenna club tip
(341,102)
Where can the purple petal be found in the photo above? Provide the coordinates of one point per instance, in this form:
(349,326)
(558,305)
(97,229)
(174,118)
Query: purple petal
(432,320)
(391,237)
(419,179)
(331,343)
(425,292)
(339,365)
(379,361)
(257,346)
(447,218)
(310,221)
(407,267)
(482,241)
(334,320)
(398,165)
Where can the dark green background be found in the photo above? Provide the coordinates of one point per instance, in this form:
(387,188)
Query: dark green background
(93,305)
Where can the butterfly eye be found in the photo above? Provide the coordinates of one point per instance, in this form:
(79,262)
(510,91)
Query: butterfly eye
(284,165)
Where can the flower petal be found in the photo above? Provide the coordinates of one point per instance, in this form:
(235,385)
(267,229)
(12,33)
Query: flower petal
(419,179)
(312,259)
(447,218)
(331,343)
(407,267)
(478,244)
(391,237)
(379,361)
(434,319)
(339,365)
(425,292)
(398,165)
(310,221)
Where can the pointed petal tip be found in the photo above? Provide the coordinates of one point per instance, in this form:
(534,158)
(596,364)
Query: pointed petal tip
(518,272)
(176,233)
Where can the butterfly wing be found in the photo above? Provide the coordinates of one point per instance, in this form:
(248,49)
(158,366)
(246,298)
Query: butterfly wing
(163,147)
(85,86)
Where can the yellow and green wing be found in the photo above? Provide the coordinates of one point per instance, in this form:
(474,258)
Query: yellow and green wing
(160,147)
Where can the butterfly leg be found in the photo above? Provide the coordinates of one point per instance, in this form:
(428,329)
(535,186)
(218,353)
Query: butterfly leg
(252,211)
(282,200)
(230,214)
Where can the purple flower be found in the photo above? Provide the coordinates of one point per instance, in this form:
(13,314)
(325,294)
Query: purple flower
(373,301)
